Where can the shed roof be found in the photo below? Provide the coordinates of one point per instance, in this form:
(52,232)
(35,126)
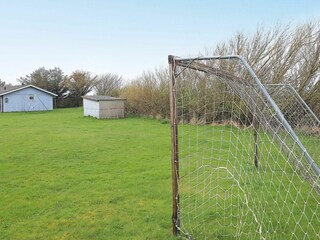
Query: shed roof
(102,98)
(10,89)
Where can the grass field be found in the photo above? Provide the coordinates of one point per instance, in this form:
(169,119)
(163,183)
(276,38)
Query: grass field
(65,176)
(224,196)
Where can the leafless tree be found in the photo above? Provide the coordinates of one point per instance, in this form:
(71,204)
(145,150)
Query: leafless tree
(79,84)
(284,54)
(148,94)
(2,83)
(108,84)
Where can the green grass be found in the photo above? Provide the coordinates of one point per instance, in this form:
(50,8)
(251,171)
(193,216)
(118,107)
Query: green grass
(65,176)
(223,195)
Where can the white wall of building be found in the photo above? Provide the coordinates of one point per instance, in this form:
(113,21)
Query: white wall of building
(90,108)
(103,109)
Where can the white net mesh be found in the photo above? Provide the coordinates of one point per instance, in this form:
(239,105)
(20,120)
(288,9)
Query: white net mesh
(305,123)
(243,174)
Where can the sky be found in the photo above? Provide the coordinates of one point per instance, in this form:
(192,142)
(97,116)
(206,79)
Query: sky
(128,37)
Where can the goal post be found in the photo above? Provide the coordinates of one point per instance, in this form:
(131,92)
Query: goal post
(174,141)
(240,162)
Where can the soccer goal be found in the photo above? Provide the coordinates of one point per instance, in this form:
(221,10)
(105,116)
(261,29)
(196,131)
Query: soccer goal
(245,156)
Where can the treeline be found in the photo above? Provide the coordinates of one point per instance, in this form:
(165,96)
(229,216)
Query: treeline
(148,95)
(70,89)
(286,55)
(283,55)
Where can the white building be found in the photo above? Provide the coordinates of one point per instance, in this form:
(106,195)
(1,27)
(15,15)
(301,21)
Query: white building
(103,106)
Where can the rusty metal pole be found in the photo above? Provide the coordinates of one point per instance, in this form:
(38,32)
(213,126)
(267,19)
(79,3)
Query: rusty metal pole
(174,147)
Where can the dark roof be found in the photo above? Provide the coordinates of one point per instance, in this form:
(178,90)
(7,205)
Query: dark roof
(6,89)
(102,98)
(9,89)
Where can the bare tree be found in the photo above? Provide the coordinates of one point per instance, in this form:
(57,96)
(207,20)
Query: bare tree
(2,83)
(79,84)
(148,94)
(282,55)
(108,84)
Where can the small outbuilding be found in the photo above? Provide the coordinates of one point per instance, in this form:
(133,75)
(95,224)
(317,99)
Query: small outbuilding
(25,98)
(103,106)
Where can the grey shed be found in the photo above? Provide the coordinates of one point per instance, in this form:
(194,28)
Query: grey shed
(103,106)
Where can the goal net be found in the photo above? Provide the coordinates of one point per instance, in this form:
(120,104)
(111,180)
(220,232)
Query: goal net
(245,156)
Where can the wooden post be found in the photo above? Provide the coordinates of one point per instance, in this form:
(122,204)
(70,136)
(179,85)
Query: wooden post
(255,136)
(174,147)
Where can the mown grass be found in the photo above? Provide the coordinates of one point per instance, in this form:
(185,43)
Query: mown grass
(65,176)
(224,196)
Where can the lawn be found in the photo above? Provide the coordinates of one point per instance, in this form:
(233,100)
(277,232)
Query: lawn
(224,196)
(65,176)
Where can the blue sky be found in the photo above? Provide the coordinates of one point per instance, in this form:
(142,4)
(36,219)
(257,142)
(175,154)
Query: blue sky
(128,37)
